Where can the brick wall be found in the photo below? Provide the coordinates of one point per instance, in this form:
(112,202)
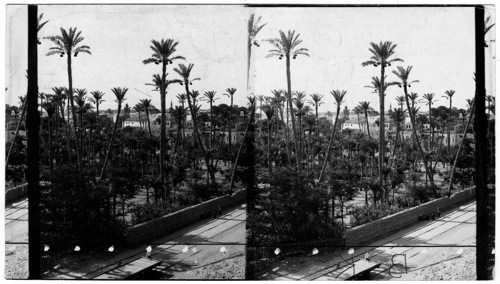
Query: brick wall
(174,221)
(372,231)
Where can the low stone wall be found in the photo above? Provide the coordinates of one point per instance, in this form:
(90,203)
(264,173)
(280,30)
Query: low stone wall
(16,193)
(372,231)
(174,221)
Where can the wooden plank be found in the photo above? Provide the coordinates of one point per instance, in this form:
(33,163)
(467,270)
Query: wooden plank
(363,266)
(360,267)
(137,266)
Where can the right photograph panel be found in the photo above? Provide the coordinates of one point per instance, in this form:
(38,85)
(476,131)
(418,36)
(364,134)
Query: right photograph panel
(367,140)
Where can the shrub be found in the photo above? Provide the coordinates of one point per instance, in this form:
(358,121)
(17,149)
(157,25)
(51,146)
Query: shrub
(419,193)
(366,214)
(73,209)
(146,212)
(289,209)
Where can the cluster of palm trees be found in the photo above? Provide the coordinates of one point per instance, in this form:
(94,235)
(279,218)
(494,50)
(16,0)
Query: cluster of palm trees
(290,121)
(74,115)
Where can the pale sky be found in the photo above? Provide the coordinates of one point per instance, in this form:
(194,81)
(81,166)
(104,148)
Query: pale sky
(438,42)
(211,37)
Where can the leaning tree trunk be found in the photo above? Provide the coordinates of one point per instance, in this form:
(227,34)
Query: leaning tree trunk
(450,186)
(329,149)
(241,147)
(198,137)
(110,143)
(417,141)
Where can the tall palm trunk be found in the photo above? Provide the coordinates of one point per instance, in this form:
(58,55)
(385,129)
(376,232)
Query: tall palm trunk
(329,149)
(149,123)
(197,135)
(110,143)
(286,135)
(382,126)
(431,129)
(230,126)
(417,141)
(367,125)
(73,109)
(212,135)
(290,105)
(163,138)
(449,126)
(66,126)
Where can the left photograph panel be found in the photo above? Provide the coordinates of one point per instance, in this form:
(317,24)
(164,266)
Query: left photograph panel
(137,118)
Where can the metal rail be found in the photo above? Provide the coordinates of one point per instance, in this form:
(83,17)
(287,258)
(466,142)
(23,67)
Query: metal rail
(398,264)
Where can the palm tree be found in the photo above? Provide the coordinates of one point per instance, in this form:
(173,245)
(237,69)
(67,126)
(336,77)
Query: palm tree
(81,99)
(146,104)
(97,99)
(365,106)
(163,52)
(138,108)
(429,97)
(487,28)
(299,101)
(413,98)
(185,72)
(449,95)
(210,97)
(230,93)
(381,55)
(316,98)
(161,84)
(401,101)
(403,74)
(40,26)
(339,98)
(357,111)
(398,116)
(254,28)
(68,43)
(120,98)
(287,45)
